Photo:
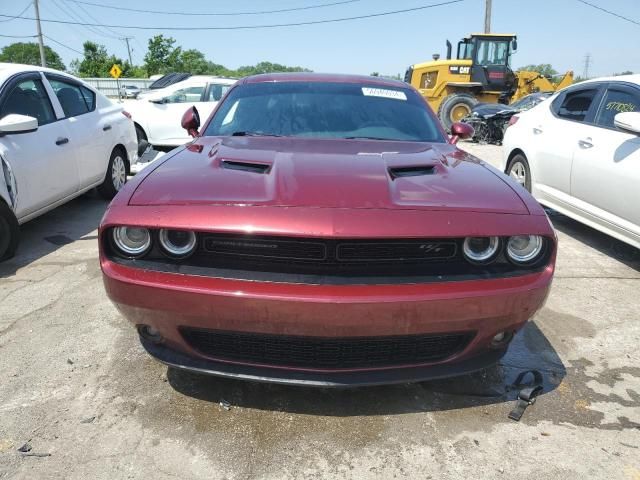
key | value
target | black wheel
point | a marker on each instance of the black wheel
(454, 108)
(143, 141)
(9, 232)
(116, 175)
(518, 169)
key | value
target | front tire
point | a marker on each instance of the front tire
(9, 232)
(143, 141)
(518, 169)
(454, 108)
(116, 175)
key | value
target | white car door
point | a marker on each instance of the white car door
(89, 135)
(166, 114)
(43, 162)
(605, 178)
(555, 133)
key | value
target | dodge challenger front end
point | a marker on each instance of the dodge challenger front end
(322, 230)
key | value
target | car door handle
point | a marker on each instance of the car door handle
(585, 143)
(537, 130)
(62, 141)
(106, 127)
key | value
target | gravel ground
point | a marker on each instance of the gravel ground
(78, 388)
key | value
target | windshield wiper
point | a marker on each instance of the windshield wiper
(242, 133)
(358, 137)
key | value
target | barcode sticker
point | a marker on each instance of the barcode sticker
(384, 93)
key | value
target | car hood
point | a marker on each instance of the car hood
(269, 171)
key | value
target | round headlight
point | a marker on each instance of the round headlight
(132, 241)
(178, 243)
(480, 249)
(524, 248)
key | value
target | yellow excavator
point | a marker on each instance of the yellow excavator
(481, 72)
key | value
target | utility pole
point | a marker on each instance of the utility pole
(126, 39)
(487, 16)
(43, 60)
(587, 63)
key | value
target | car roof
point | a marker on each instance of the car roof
(324, 78)
(8, 69)
(632, 78)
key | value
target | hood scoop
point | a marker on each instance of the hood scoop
(252, 167)
(411, 171)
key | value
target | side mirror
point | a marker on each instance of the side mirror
(514, 45)
(15, 123)
(459, 131)
(191, 121)
(628, 122)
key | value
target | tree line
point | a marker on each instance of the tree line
(163, 56)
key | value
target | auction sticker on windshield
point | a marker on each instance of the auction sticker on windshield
(384, 93)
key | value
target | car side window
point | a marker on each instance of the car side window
(216, 92)
(186, 95)
(74, 99)
(616, 101)
(30, 98)
(575, 105)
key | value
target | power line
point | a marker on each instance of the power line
(63, 45)
(94, 19)
(250, 27)
(18, 36)
(610, 12)
(221, 14)
(19, 15)
(70, 13)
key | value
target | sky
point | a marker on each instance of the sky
(559, 32)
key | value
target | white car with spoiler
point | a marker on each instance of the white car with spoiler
(157, 113)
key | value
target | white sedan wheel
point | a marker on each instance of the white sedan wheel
(118, 173)
(518, 172)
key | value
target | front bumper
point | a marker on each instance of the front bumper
(181, 361)
(169, 301)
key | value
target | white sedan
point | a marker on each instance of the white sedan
(579, 153)
(59, 137)
(157, 114)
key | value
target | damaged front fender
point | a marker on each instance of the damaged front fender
(9, 186)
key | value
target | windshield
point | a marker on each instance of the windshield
(325, 110)
(492, 52)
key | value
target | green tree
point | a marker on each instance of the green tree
(266, 67)
(544, 69)
(161, 55)
(29, 54)
(193, 61)
(626, 72)
(97, 62)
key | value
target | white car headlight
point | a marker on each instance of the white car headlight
(480, 249)
(525, 249)
(178, 243)
(132, 241)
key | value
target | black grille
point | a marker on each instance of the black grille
(325, 353)
(266, 248)
(395, 251)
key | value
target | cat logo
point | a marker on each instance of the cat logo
(459, 69)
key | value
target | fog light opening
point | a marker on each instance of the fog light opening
(501, 339)
(150, 333)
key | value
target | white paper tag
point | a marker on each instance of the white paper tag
(384, 93)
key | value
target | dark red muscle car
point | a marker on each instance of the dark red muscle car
(324, 230)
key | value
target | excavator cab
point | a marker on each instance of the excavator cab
(490, 56)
